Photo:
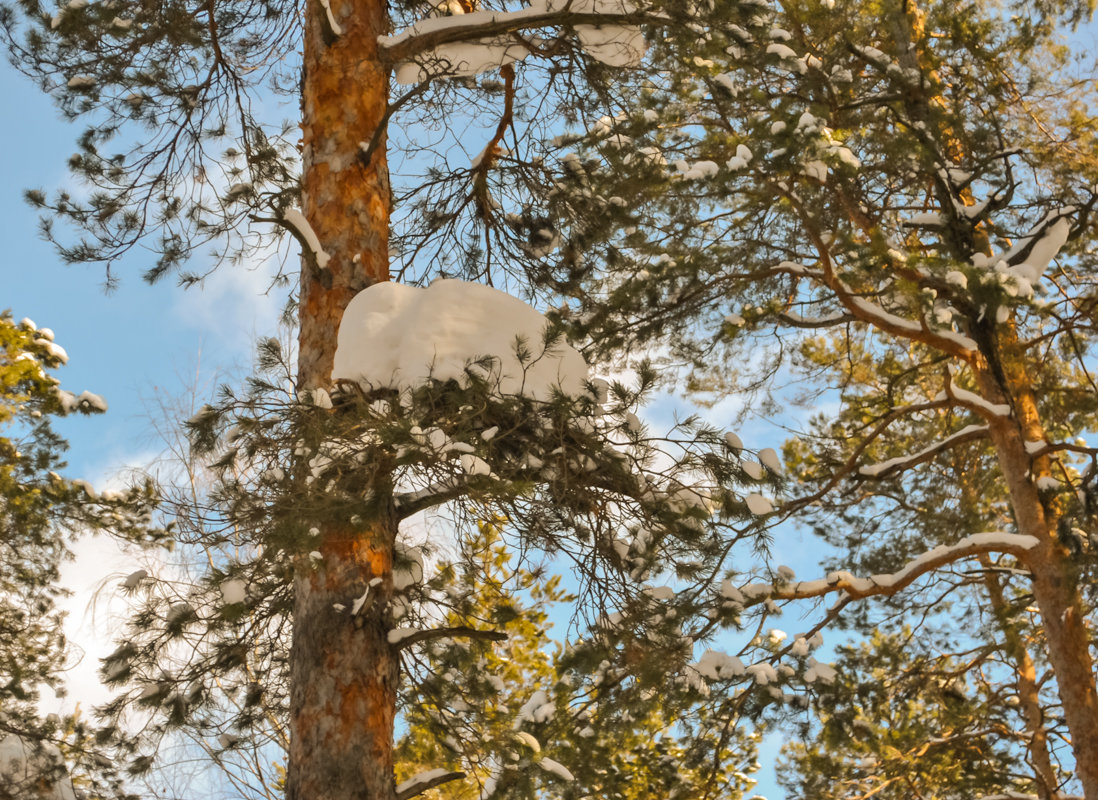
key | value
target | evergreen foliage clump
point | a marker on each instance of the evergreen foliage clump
(41, 514)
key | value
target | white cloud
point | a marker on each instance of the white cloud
(94, 616)
(232, 307)
(95, 608)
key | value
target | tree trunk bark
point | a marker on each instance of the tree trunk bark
(1029, 693)
(345, 91)
(1054, 573)
(343, 671)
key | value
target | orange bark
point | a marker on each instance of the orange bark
(343, 671)
(1055, 575)
(344, 96)
(1029, 693)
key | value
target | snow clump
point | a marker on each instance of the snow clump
(421, 779)
(716, 665)
(539, 708)
(615, 44)
(398, 336)
(21, 764)
(556, 768)
(233, 591)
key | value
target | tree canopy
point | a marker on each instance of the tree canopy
(41, 512)
(882, 206)
(874, 204)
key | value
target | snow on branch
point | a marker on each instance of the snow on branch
(336, 29)
(795, 320)
(975, 402)
(402, 638)
(949, 341)
(467, 44)
(885, 468)
(434, 494)
(797, 269)
(850, 466)
(1044, 242)
(924, 219)
(871, 54)
(959, 339)
(426, 780)
(399, 336)
(878, 314)
(556, 768)
(887, 584)
(304, 233)
(433, 31)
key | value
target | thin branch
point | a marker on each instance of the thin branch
(421, 787)
(491, 151)
(889, 584)
(365, 153)
(462, 631)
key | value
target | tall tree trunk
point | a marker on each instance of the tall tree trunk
(345, 91)
(1054, 573)
(1025, 683)
(1005, 379)
(1015, 650)
(343, 671)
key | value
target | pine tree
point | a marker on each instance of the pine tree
(500, 719)
(875, 196)
(40, 515)
(902, 721)
(628, 687)
(176, 155)
(960, 494)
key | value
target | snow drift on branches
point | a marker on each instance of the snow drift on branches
(23, 765)
(399, 336)
(613, 43)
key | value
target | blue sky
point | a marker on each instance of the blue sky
(136, 346)
(127, 344)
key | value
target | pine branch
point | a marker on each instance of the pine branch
(889, 584)
(426, 35)
(462, 631)
(421, 787)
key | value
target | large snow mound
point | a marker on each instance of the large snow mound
(21, 763)
(398, 336)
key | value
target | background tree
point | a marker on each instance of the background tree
(901, 721)
(41, 513)
(890, 179)
(535, 693)
(959, 492)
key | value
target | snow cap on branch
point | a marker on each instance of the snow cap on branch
(399, 336)
(468, 44)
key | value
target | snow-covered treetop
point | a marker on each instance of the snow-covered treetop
(399, 336)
